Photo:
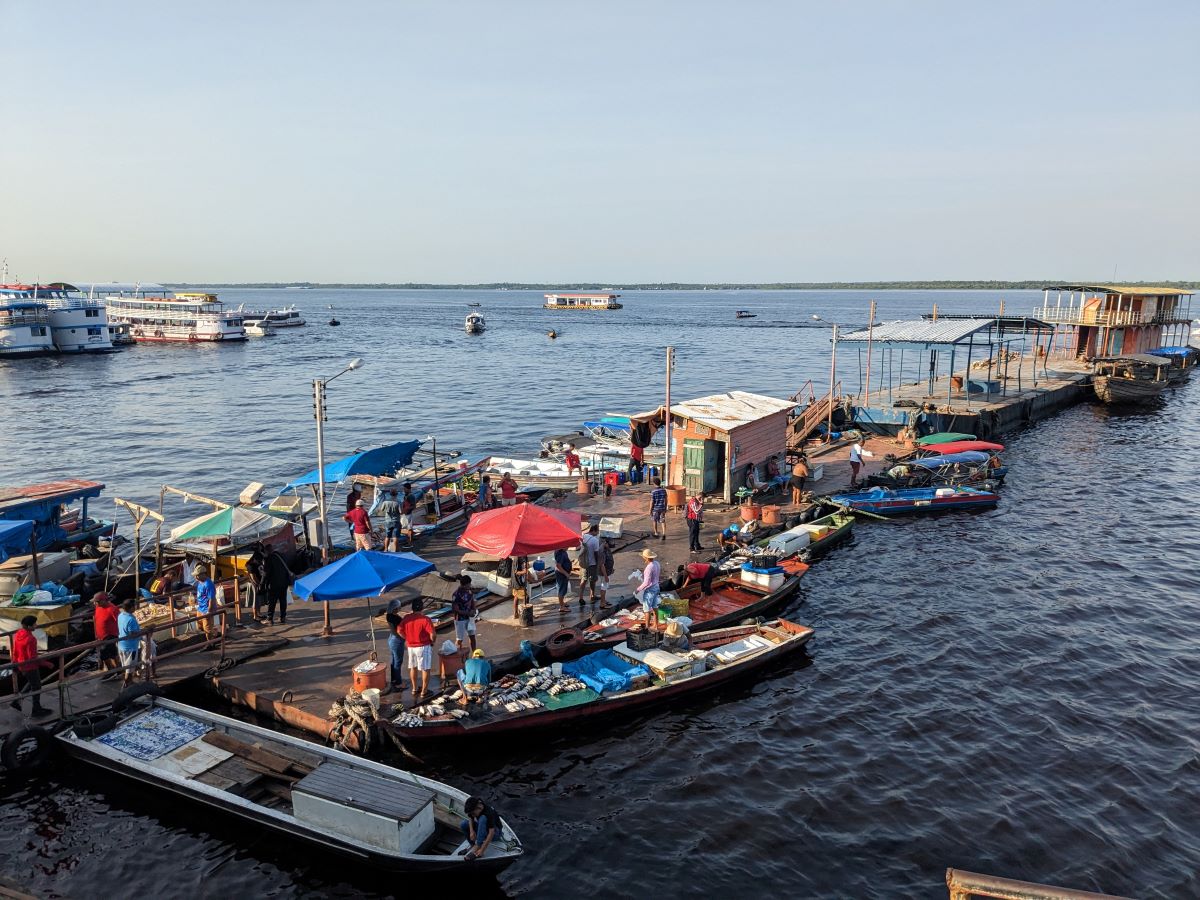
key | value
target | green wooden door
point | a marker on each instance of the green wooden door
(693, 466)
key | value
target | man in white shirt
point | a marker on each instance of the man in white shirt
(856, 459)
(592, 560)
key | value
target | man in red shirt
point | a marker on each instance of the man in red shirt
(24, 657)
(701, 572)
(360, 526)
(508, 490)
(418, 639)
(636, 458)
(105, 617)
(572, 460)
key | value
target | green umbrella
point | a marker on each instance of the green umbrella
(231, 522)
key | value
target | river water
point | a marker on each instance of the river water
(1009, 691)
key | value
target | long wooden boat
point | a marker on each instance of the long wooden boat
(323, 798)
(752, 648)
(885, 502)
(1136, 378)
(732, 600)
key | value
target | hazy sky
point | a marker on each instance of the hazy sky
(616, 141)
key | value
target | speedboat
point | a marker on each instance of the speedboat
(325, 799)
(474, 323)
(745, 314)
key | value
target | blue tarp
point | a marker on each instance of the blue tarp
(604, 671)
(1173, 351)
(378, 461)
(967, 457)
(14, 537)
(366, 573)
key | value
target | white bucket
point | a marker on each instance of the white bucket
(556, 669)
(371, 695)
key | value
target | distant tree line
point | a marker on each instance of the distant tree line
(691, 286)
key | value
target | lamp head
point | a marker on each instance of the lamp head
(355, 363)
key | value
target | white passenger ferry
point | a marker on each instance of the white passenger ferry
(78, 323)
(174, 316)
(24, 323)
(582, 301)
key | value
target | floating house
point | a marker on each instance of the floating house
(1099, 320)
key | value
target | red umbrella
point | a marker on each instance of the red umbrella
(521, 530)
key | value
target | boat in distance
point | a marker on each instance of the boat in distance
(582, 301)
(186, 317)
(375, 814)
(474, 323)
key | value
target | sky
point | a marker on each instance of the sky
(615, 142)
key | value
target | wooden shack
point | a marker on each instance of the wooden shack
(714, 438)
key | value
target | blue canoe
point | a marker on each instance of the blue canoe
(885, 502)
(971, 458)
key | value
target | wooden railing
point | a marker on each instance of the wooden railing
(801, 427)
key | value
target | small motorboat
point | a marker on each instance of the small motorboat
(552, 334)
(475, 304)
(258, 328)
(474, 323)
(745, 314)
(334, 322)
(322, 798)
(970, 467)
(893, 502)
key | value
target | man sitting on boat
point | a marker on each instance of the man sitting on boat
(481, 827)
(474, 678)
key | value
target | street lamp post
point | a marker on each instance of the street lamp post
(319, 415)
(832, 375)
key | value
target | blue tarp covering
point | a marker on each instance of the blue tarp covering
(1173, 351)
(14, 537)
(967, 457)
(367, 573)
(378, 461)
(604, 671)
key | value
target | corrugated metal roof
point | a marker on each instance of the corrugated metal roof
(922, 331)
(1129, 290)
(732, 410)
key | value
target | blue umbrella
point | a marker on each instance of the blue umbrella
(364, 573)
(377, 461)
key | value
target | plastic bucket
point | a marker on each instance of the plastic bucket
(770, 515)
(751, 512)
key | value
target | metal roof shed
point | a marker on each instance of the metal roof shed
(931, 337)
(713, 437)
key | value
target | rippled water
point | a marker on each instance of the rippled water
(1009, 691)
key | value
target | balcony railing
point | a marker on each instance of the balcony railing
(1075, 316)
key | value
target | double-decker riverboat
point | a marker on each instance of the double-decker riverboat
(582, 301)
(179, 316)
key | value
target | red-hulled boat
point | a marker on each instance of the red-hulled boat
(724, 654)
(732, 601)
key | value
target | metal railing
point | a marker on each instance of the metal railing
(1067, 315)
(67, 657)
(964, 885)
(818, 409)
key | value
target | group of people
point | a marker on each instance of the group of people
(487, 493)
(597, 564)
(399, 512)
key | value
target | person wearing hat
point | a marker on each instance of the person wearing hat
(353, 496)
(105, 620)
(206, 600)
(675, 637)
(649, 589)
(360, 526)
(474, 677)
